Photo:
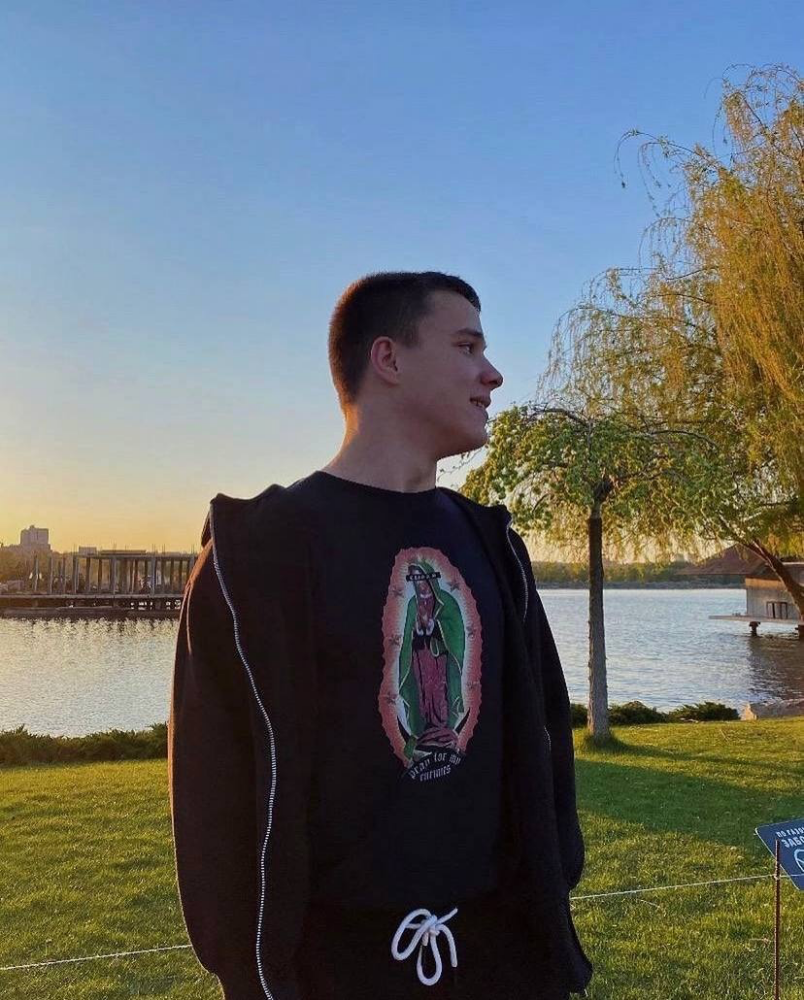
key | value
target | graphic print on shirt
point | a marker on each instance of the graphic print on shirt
(432, 639)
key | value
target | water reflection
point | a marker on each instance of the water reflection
(73, 676)
(663, 649)
(78, 676)
(775, 662)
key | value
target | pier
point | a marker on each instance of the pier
(115, 582)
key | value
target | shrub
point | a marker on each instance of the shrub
(18, 746)
(634, 713)
(579, 714)
(704, 711)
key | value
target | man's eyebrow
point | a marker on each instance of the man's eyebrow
(467, 330)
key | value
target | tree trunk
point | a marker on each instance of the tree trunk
(598, 718)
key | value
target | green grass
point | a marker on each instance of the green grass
(86, 867)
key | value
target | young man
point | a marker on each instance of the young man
(372, 782)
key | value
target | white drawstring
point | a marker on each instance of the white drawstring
(427, 931)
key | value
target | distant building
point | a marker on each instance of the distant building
(87, 550)
(35, 538)
(32, 540)
(766, 597)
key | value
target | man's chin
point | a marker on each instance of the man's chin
(469, 443)
(480, 439)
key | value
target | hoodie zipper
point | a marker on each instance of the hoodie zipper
(519, 564)
(270, 729)
(525, 589)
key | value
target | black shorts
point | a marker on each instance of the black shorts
(345, 954)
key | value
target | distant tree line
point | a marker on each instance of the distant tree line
(576, 574)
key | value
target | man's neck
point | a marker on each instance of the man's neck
(388, 477)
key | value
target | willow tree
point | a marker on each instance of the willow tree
(725, 288)
(580, 474)
(671, 410)
(651, 337)
(745, 226)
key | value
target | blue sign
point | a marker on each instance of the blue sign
(790, 835)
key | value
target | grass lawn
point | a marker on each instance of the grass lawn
(86, 867)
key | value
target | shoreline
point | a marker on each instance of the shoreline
(636, 585)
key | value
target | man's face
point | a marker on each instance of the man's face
(443, 374)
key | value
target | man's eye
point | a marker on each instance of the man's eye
(470, 346)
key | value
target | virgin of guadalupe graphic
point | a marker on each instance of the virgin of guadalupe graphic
(431, 662)
(430, 695)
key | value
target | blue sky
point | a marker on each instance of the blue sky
(185, 189)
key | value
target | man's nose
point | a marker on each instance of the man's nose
(493, 377)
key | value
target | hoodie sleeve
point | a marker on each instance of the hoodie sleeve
(559, 726)
(214, 739)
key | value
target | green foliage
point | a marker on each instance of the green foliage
(635, 713)
(18, 746)
(574, 573)
(673, 394)
(13, 566)
(579, 714)
(705, 711)
(554, 466)
(577, 574)
(718, 310)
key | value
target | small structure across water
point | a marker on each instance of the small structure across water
(123, 582)
(768, 600)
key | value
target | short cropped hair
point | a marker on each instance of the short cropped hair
(386, 304)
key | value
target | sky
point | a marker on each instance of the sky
(186, 188)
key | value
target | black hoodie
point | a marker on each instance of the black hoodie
(242, 737)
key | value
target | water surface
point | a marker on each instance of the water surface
(73, 677)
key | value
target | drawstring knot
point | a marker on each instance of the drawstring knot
(426, 932)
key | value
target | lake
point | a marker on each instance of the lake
(68, 677)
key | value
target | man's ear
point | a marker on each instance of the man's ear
(382, 358)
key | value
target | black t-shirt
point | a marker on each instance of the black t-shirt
(405, 808)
